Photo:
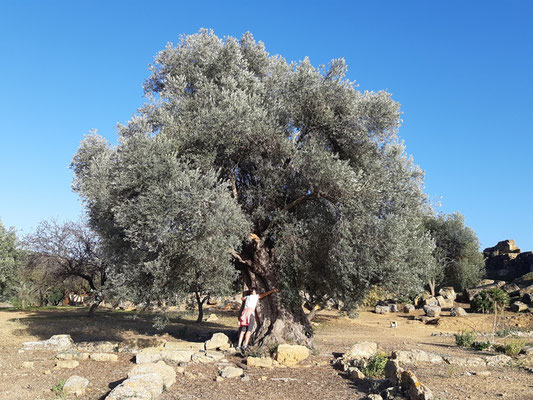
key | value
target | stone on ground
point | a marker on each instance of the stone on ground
(97, 347)
(27, 364)
(138, 387)
(393, 371)
(379, 309)
(458, 312)
(56, 342)
(231, 372)
(212, 318)
(518, 306)
(415, 356)
(182, 345)
(259, 362)
(75, 385)
(160, 368)
(103, 357)
(408, 308)
(218, 341)
(448, 293)
(290, 354)
(444, 302)
(355, 373)
(72, 355)
(362, 350)
(67, 364)
(432, 311)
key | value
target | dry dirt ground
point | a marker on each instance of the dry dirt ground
(314, 379)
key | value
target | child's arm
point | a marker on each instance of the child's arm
(262, 295)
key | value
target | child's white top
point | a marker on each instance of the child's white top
(251, 301)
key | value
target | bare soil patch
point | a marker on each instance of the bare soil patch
(314, 378)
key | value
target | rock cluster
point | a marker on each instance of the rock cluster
(506, 261)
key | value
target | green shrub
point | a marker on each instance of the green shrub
(513, 348)
(58, 387)
(465, 339)
(484, 301)
(376, 365)
(481, 345)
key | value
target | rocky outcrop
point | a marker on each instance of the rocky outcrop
(75, 385)
(55, 343)
(506, 261)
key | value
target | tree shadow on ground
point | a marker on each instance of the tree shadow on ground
(118, 325)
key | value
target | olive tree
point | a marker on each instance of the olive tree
(457, 250)
(287, 168)
(11, 257)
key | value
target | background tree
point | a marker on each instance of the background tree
(68, 251)
(296, 150)
(11, 257)
(457, 250)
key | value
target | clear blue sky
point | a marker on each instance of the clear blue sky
(461, 70)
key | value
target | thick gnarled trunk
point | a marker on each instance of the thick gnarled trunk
(276, 323)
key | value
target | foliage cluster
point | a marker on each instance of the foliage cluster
(460, 263)
(465, 339)
(485, 301)
(375, 366)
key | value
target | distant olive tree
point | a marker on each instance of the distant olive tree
(11, 258)
(456, 252)
(282, 171)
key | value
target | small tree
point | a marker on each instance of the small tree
(70, 250)
(456, 252)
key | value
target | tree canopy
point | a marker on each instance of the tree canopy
(283, 170)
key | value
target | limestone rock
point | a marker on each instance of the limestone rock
(288, 354)
(431, 301)
(432, 311)
(408, 308)
(518, 306)
(138, 387)
(511, 288)
(444, 302)
(458, 312)
(259, 362)
(499, 360)
(166, 372)
(27, 364)
(218, 341)
(212, 318)
(103, 357)
(415, 356)
(56, 342)
(134, 345)
(67, 364)
(528, 298)
(176, 355)
(72, 355)
(393, 371)
(231, 372)
(355, 373)
(448, 293)
(379, 309)
(183, 345)
(362, 350)
(373, 396)
(75, 385)
(148, 355)
(97, 347)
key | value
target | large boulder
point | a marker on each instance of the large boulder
(408, 308)
(473, 292)
(382, 309)
(291, 354)
(511, 288)
(154, 354)
(75, 385)
(393, 371)
(432, 311)
(218, 341)
(138, 387)
(431, 301)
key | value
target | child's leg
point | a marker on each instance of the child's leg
(247, 338)
(241, 336)
(249, 330)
